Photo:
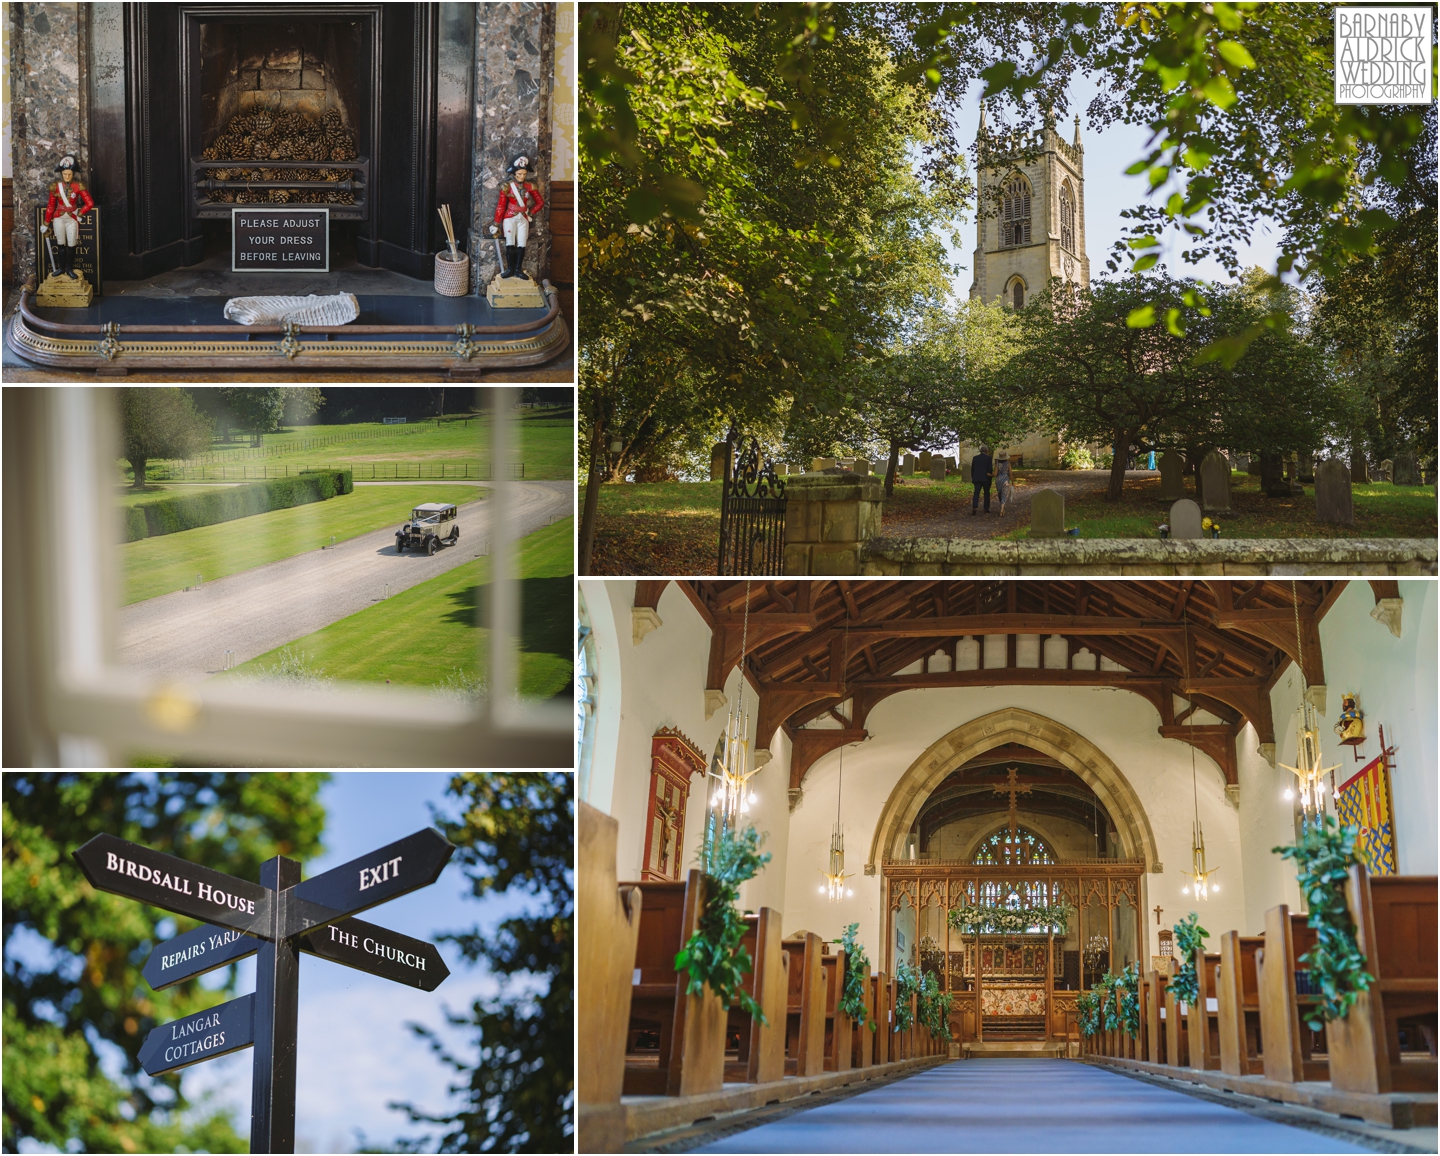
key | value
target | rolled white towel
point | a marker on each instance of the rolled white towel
(339, 309)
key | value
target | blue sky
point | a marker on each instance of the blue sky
(355, 1052)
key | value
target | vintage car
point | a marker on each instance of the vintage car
(427, 528)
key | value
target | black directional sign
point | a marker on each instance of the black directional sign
(379, 951)
(400, 867)
(195, 953)
(162, 880)
(203, 1036)
(272, 920)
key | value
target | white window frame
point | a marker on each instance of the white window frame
(69, 702)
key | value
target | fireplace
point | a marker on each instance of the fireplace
(284, 107)
(378, 99)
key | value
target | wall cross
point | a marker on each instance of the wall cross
(1012, 788)
(1158, 909)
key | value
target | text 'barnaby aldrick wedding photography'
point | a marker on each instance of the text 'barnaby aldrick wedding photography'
(1382, 56)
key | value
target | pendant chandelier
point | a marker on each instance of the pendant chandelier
(730, 769)
(1308, 771)
(834, 887)
(1199, 873)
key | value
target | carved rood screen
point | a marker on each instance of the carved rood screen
(1103, 895)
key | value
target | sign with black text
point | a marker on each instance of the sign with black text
(112, 864)
(280, 239)
(400, 867)
(87, 252)
(203, 1036)
(382, 952)
(195, 953)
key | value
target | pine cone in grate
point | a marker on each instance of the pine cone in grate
(286, 148)
(262, 123)
(330, 119)
(210, 153)
(344, 151)
(280, 196)
(223, 196)
(240, 124)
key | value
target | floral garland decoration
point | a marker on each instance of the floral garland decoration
(907, 983)
(713, 955)
(935, 1006)
(1087, 1003)
(852, 994)
(1127, 987)
(1337, 967)
(1189, 938)
(974, 919)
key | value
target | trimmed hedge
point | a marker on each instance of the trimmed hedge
(188, 512)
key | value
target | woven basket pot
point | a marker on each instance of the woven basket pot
(452, 278)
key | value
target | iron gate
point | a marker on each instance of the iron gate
(752, 516)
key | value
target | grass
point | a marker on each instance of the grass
(546, 437)
(423, 635)
(128, 496)
(656, 528)
(155, 566)
(1381, 511)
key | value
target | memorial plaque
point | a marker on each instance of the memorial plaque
(280, 239)
(382, 952)
(396, 869)
(218, 1031)
(87, 252)
(195, 953)
(125, 868)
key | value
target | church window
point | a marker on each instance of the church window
(1003, 850)
(1067, 217)
(1015, 211)
(1019, 295)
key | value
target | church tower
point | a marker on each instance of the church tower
(1031, 223)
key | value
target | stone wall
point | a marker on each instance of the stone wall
(48, 105)
(514, 71)
(1373, 557)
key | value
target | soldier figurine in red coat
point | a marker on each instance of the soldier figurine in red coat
(518, 204)
(69, 201)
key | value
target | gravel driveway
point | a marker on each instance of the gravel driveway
(185, 634)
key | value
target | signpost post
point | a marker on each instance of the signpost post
(273, 920)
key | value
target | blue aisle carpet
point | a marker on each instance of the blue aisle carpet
(1024, 1106)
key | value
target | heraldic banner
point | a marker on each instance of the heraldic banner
(1364, 802)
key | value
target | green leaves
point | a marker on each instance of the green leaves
(1141, 317)
(1189, 938)
(933, 1006)
(852, 993)
(907, 984)
(1324, 856)
(1233, 52)
(984, 920)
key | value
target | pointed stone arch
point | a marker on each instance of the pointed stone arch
(1013, 724)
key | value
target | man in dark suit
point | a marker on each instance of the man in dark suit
(981, 472)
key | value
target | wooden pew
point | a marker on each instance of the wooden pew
(1202, 1024)
(805, 1007)
(884, 1017)
(691, 1028)
(1395, 920)
(607, 924)
(1287, 1045)
(761, 1054)
(1238, 989)
(839, 1027)
(1177, 1053)
(862, 1038)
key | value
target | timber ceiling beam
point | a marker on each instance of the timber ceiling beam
(778, 701)
(807, 747)
(1218, 742)
(647, 593)
(1249, 696)
(731, 632)
(1276, 625)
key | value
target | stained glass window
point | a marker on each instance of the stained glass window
(1027, 847)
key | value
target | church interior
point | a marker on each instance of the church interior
(1002, 861)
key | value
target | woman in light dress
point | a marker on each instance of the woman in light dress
(1002, 478)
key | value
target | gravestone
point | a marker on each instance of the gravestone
(1172, 476)
(861, 466)
(937, 469)
(1047, 514)
(1406, 471)
(1253, 466)
(1305, 466)
(907, 465)
(719, 455)
(818, 464)
(1185, 520)
(1272, 479)
(1215, 481)
(923, 463)
(1359, 467)
(1333, 501)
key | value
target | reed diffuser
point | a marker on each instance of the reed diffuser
(452, 271)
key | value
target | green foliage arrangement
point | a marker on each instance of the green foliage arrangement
(980, 920)
(934, 1006)
(80, 995)
(1324, 856)
(907, 983)
(186, 512)
(1087, 1003)
(1127, 990)
(713, 955)
(852, 994)
(1189, 938)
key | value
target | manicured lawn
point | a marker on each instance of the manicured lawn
(155, 566)
(422, 635)
(547, 446)
(656, 528)
(1381, 511)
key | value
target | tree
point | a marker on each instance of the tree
(82, 997)
(159, 422)
(515, 834)
(302, 402)
(255, 409)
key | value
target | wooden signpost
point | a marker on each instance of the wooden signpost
(273, 920)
